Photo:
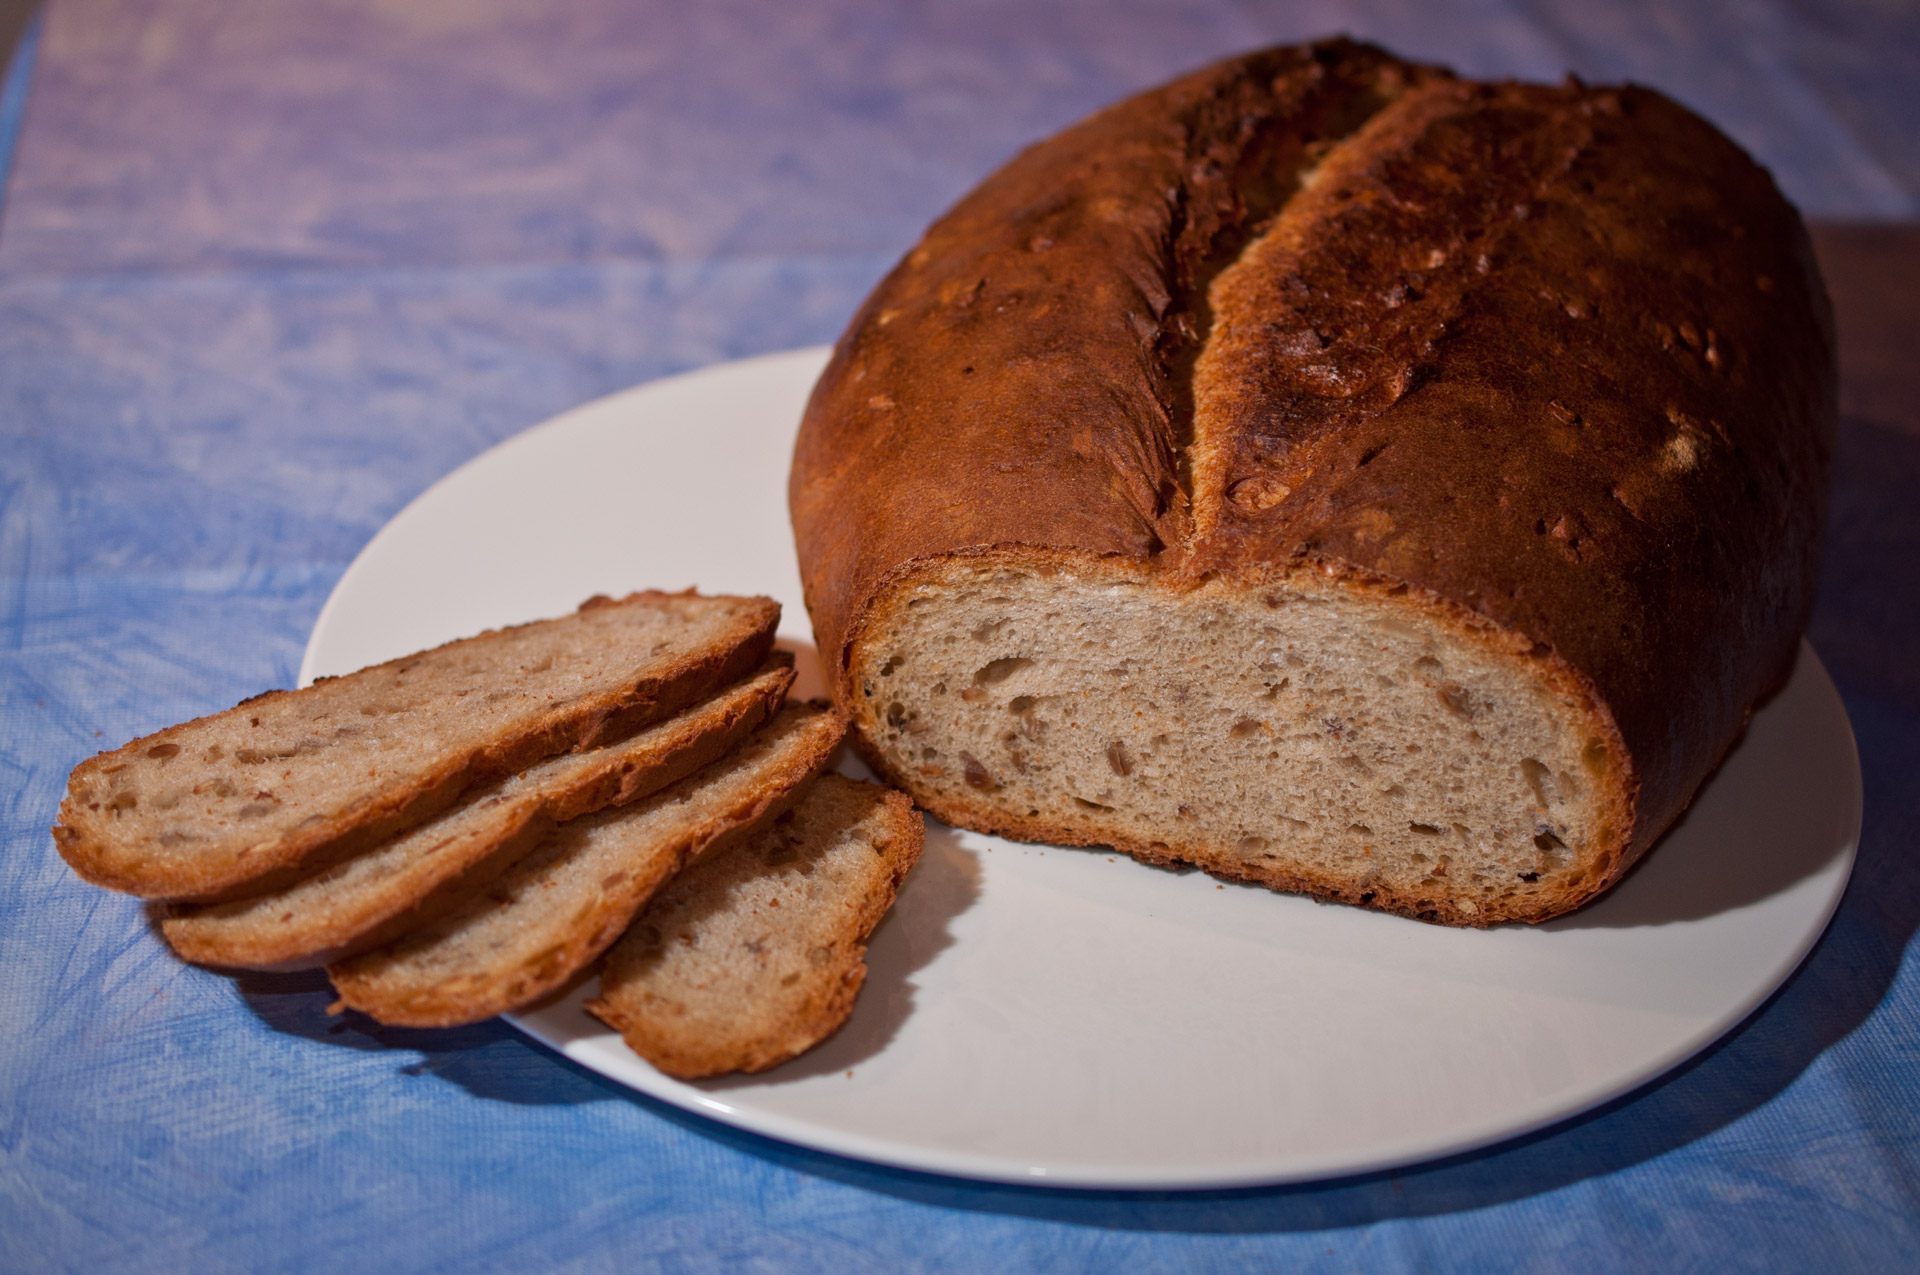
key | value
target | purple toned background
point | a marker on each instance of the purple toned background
(268, 269)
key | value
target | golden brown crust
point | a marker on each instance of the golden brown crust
(1020, 377)
(1555, 359)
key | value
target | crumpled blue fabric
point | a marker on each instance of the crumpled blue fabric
(269, 270)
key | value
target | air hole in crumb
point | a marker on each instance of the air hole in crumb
(1021, 704)
(160, 752)
(896, 713)
(1548, 844)
(1529, 876)
(1455, 698)
(1000, 670)
(987, 630)
(1424, 829)
(1245, 728)
(1360, 828)
(1118, 759)
(1084, 804)
(893, 662)
(1536, 773)
(977, 776)
(1428, 665)
(1251, 845)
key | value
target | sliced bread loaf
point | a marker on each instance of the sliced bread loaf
(569, 898)
(755, 954)
(291, 777)
(1333, 474)
(399, 885)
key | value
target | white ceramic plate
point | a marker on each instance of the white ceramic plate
(1068, 1016)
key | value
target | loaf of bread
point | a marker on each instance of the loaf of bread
(569, 898)
(250, 799)
(399, 885)
(754, 955)
(1335, 474)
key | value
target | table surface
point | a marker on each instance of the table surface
(268, 270)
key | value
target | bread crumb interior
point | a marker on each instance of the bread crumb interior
(1308, 735)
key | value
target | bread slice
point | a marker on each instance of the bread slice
(755, 954)
(569, 898)
(286, 778)
(377, 895)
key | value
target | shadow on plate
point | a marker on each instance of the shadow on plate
(1780, 808)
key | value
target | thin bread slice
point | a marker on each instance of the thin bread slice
(377, 895)
(569, 898)
(755, 954)
(293, 777)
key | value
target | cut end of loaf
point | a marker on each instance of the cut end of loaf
(1310, 733)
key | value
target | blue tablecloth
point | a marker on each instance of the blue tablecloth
(268, 269)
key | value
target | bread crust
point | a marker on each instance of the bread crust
(1554, 363)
